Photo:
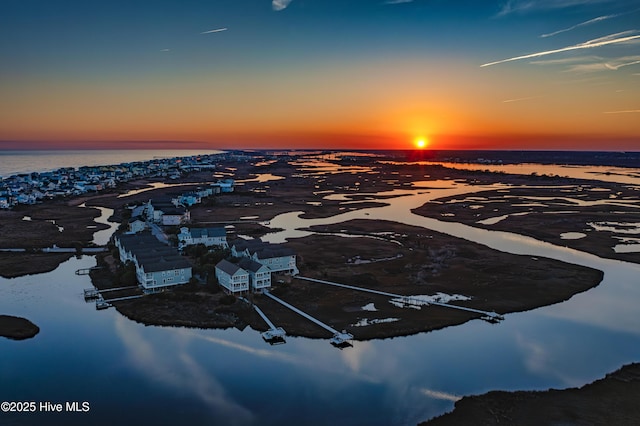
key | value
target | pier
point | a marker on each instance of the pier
(102, 303)
(491, 317)
(339, 339)
(274, 335)
(94, 293)
(86, 271)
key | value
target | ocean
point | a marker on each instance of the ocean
(16, 162)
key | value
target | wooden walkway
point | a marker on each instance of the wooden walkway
(339, 338)
(487, 316)
(274, 334)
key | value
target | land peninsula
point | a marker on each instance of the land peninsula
(611, 400)
(382, 255)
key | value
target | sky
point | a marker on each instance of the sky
(359, 74)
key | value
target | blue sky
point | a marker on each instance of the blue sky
(263, 72)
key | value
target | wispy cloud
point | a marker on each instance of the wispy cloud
(581, 24)
(622, 37)
(610, 65)
(398, 1)
(628, 111)
(591, 63)
(280, 4)
(523, 6)
(217, 30)
(165, 50)
(440, 395)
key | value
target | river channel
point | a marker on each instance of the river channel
(130, 373)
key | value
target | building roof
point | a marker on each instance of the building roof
(151, 254)
(163, 263)
(229, 268)
(208, 232)
(263, 250)
(251, 265)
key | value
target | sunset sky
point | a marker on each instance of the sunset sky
(519, 74)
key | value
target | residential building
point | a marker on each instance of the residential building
(232, 277)
(157, 265)
(259, 274)
(277, 257)
(208, 236)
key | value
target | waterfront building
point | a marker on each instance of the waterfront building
(259, 274)
(163, 211)
(157, 265)
(276, 257)
(210, 237)
(232, 277)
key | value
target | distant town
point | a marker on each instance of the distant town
(31, 188)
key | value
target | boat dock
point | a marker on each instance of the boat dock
(339, 339)
(274, 335)
(86, 271)
(94, 293)
(102, 303)
(91, 294)
(492, 317)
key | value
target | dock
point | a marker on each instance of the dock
(94, 293)
(491, 317)
(274, 335)
(102, 303)
(86, 271)
(339, 339)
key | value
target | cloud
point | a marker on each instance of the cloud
(165, 50)
(398, 1)
(584, 64)
(622, 37)
(628, 111)
(217, 30)
(280, 4)
(581, 24)
(440, 395)
(523, 6)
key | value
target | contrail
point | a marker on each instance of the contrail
(603, 41)
(214, 31)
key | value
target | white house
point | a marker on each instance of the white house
(259, 274)
(207, 236)
(166, 213)
(232, 277)
(276, 257)
(157, 265)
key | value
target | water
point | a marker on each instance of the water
(15, 162)
(130, 373)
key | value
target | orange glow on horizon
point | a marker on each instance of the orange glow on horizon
(421, 142)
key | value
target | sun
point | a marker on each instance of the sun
(421, 142)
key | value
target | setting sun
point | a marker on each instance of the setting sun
(421, 143)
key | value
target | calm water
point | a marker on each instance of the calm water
(14, 162)
(163, 375)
